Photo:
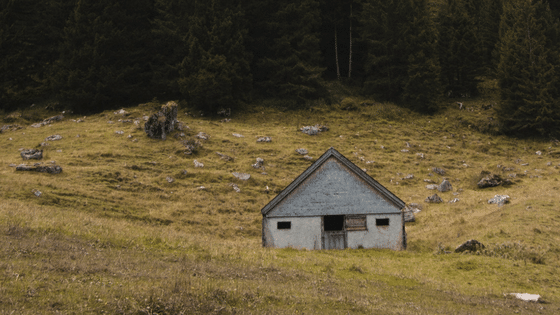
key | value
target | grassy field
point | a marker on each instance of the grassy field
(111, 234)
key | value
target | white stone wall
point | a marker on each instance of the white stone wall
(378, 236)
(305, 232)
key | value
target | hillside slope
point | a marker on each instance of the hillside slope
(111, 232)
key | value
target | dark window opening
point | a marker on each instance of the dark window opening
(333, 222)
(381, 222)
(284, 225)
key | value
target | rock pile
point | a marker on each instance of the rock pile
(163, 122)
(31, 154)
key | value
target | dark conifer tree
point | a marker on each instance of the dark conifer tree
(105, 54)
(527, 76)
(29, 37)
(460, 51)
(290, 60)
(401, 62)
(215, 72)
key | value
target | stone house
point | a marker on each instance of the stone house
(334, 205)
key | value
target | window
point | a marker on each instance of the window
(382, 222)
(356, 222)
(284, 225)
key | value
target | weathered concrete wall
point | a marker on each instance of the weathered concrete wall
(305, 232)
(378, 236)
(332, 189)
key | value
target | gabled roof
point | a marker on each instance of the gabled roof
(332, 153)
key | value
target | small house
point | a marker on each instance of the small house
(334, 205)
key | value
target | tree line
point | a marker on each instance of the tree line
(93, 54)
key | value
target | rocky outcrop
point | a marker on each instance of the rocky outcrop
(162, 122)
(31, 154)
(470, 245)
(38, 167)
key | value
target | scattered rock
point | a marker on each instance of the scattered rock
(169, 179)
(122, 112)
(438, 170)
(31, 154)
(119, 132)
(259, 164)
(163, 122)
(48, 121)
(36, 192)
(10, 128)
(191, 145)
(12, 165)
(432, 186)
(470, 245)
(110, 122)
(409, 176)
(405, 151)
(184, 172)
(307, 157)
(235, 187)
(302, 151)
(197, 164)
(225, 120)
(538, 153)
(445, 186)
(225, 157)
(237, 135)
(264, 139)
(202, 136)
(489, 180)
(201, 188)
(37, 167)
(527, 297)
(434, 199)
(428, 180)
(313, 130)
(500, 200)
(44, 144)
(454, 200)
(53, 138)
(242, 176)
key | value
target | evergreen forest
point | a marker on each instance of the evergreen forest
(92, 55)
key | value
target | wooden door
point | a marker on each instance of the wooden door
(335, 239)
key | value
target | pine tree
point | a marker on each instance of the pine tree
(290, 66)
(215, 72)
(526, 72)
(28, 46)
(459, 48)
(105, 54)
(401, 63)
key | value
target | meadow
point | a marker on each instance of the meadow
(112, 234)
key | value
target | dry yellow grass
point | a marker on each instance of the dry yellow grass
(110, 234)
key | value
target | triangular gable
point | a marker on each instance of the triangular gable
(333, 185)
